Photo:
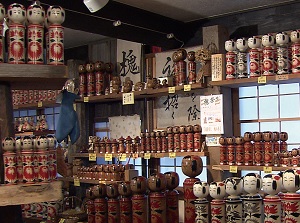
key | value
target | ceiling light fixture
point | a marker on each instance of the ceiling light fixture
(117, 23)
(95, 5)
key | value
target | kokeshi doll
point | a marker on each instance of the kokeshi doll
(113, 206)
(2, 43)
(268, 42)
(176, 138)
(190, 138)
(82, 80)
(283, 144)
(197, 137)
(234, 206)
(258, 149)
(99, 77)
(191, 67)
(242, 67)
(175, 59)
(223, 150)
(248, 148)
(276, 146)
(172, 196)
(181, 54)
(158, 142)
(295, 38)
(239, 150)
(231, 147)
(217, 205)
(202, 207)
(164, 141)
(183, 138)
(268, 148)
(282, 40)
(254, 44)
(170, 136)
(125, 202)
(90, 68)
(138, 187)
(231, 59)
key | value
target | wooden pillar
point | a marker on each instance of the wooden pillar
(8, 214)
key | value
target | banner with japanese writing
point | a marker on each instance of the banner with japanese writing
(177, 109)
(124, 126)
(129, 60)
(211, 108)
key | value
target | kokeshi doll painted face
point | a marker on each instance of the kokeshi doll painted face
(272, 184)
(242, 44)
(56, 15)
(268, 40)
(2, 13)
(8, 144)
(16, 13)
(282, 38)
(217, 190)
(35, 14)
(230, 45)
(254, 42)
(291, 180)
(234, 186)
(295, 36)
(252, 183)
(201, 189)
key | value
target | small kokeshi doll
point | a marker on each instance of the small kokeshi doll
(148, 142)
(99, 77)
(231, 150)
(143, 142)
(239, 150)
(276, 137)
(181, 54)
(129, 146)
(82, 80)
(170, 136)
(252, 183)
(157, 182)
(269, 66)
(35, 14)
(231, 59)
(283, 144)
(295, 38)
(282, 41)
(153, 142)
(183, 140)
(248, 148)
(254, 56)
(175, 59)
(258, 149)
(242, 68)
(190, 138)
(201, 191)
(16, 13)
(27, 143)
(268, 148)
(90, 68)
(158, 141)
(113, 206)
(197, 137)
(217, 206)
(8, 144)
(164, 141)
(176, 138)
(109, 68)
(223, 150)
(191, 67)
(55, 15)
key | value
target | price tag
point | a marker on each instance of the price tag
(171, 90)
(61, 220)
(233, 169)
(108, 157)
(86, 99)
(92, 156)
(123, 157)
(102, 182)
(76, 182)
(135, 156)
(262, 80)
(128, 98)
(147, 156)
(40, 104)
(187, 87)
(172, 155)
(282, 77)
(267, 169)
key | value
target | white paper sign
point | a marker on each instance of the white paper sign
(125, 126)
(211, 108)
(129, 60)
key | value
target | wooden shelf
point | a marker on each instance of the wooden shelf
(146, 93)
(71, 179)
(30, 193)
(247, 82)
(36, 133)
(257, 168)
(141, 155)
(36, 105)
(29, 76)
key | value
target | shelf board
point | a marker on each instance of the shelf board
(35, 133)
(257, 168)
(36, 105)
(31, 76)
(141, 155)
(71, 179)
(247, 82)
(30, 193)
(146, 93)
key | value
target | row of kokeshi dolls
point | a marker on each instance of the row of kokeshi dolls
(29, 24)
(28, 123)
(239, 200)
(258, 148)
(270, 54)
(21, 97)
(174, 139)
(29, 159)
(102, 172)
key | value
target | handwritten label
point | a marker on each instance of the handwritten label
(92, 156)
(128, 98)
(123, 157)
(171, 90)
(76, 182)
(233, 169)
(267, 169)
(282, 77)
(147, 156)
(172, 155)
(108, 157)
(102, 182)
(40, 104)
(187, 87)
(86, 99)
(262, 80)
(61, 220)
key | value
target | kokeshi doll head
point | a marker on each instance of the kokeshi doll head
(189, 128)
(18, 143)
(242, 44)
(197, 128)
(257, 136)
(192, 166)
(27, 143)
(234, 186)
(248, 136)
(99, 190)
(172, 180)
(271, 184)
(182, 54)
(268, 40)
(157, 182)
(2, 13)
(81, 68)
(182, 129)
(100, 66)
(230, 140)
(254, 42)
(90, 67)
(252, 183)
(217, 190)
(283, 136)
(51, 141)
(176, 129)
(56, 15)
(112, 190)
(35, 14)
(239, 140)
(8, 144)
(201, 189)
(124, 188)
(291, 180)
(42, 143)
(138, 185)
(16, 13)
(109, 67)
(223, 140)
(175, 57)
(276, 136)
(191, 56)
(230, 45)
(295, 36)
(268, 136)
(282, 38)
